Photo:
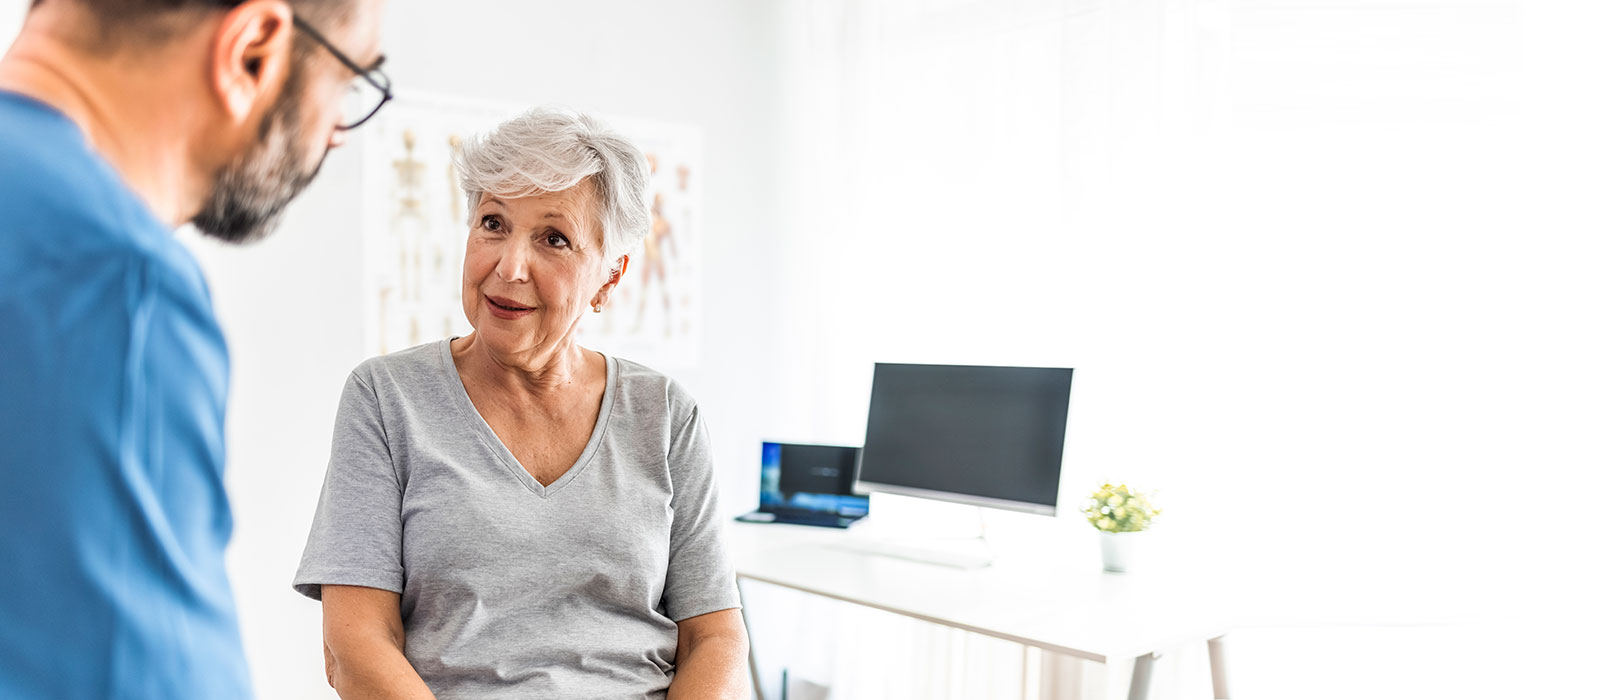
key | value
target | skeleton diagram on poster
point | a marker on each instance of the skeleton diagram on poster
(416, 224)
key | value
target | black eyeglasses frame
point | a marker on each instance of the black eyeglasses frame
(373, 74)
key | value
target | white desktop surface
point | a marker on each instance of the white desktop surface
(1059, 604)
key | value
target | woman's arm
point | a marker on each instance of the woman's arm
(713, 658)
(364, 643)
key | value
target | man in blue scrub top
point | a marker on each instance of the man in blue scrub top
(120, 120)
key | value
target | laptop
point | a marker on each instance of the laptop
(808, 485)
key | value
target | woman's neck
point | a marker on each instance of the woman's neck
(549, 379)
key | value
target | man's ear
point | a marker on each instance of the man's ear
(250, 57)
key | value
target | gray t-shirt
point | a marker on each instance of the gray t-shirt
(510, 589)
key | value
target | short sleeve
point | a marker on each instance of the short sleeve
(699, 571)
(355, 536)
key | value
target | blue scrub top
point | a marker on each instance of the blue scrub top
(113, 380)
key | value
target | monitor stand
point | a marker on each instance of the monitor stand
(939, 552)
(958, 552)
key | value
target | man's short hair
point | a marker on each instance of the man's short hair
(119, 24)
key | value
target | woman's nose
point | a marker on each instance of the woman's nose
(513, 265)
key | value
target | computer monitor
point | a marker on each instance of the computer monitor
(987, 436)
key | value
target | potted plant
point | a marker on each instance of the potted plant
(1120, 514)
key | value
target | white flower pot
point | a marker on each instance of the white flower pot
(1119, 550)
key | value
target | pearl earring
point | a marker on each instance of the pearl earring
(597, 308)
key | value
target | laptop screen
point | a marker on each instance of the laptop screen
(815, 478)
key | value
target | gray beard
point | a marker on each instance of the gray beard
(249, 194)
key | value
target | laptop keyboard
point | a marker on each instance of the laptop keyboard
(823, 519)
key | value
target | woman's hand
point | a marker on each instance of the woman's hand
(364, 645)
(713, 658)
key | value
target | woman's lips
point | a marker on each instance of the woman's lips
(504, 308)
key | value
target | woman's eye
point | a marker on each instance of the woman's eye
(555, 239)
(490, 223)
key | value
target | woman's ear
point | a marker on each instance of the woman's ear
(250, 57)
(601, 296)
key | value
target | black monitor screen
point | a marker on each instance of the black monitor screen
(987, 435)
(817, 469)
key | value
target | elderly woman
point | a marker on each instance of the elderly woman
(510, 515)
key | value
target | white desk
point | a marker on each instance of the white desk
(1064, 609)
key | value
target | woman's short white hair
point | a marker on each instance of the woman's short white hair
(549, 150)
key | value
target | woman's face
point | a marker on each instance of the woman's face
(533, 267)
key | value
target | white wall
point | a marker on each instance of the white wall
(286, 302)
(1325, 270)
(1306, 256)
(11, 13)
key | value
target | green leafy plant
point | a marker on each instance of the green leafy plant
(1119, 509)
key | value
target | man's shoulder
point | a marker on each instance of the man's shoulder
(48, 168)
(61, 205)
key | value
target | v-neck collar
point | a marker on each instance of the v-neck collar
(508, 460)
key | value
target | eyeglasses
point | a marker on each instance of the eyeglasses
(367, 95)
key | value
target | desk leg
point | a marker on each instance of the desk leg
(1219, 670)
(750, 645)
(1139, 685)
(1048, 675)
